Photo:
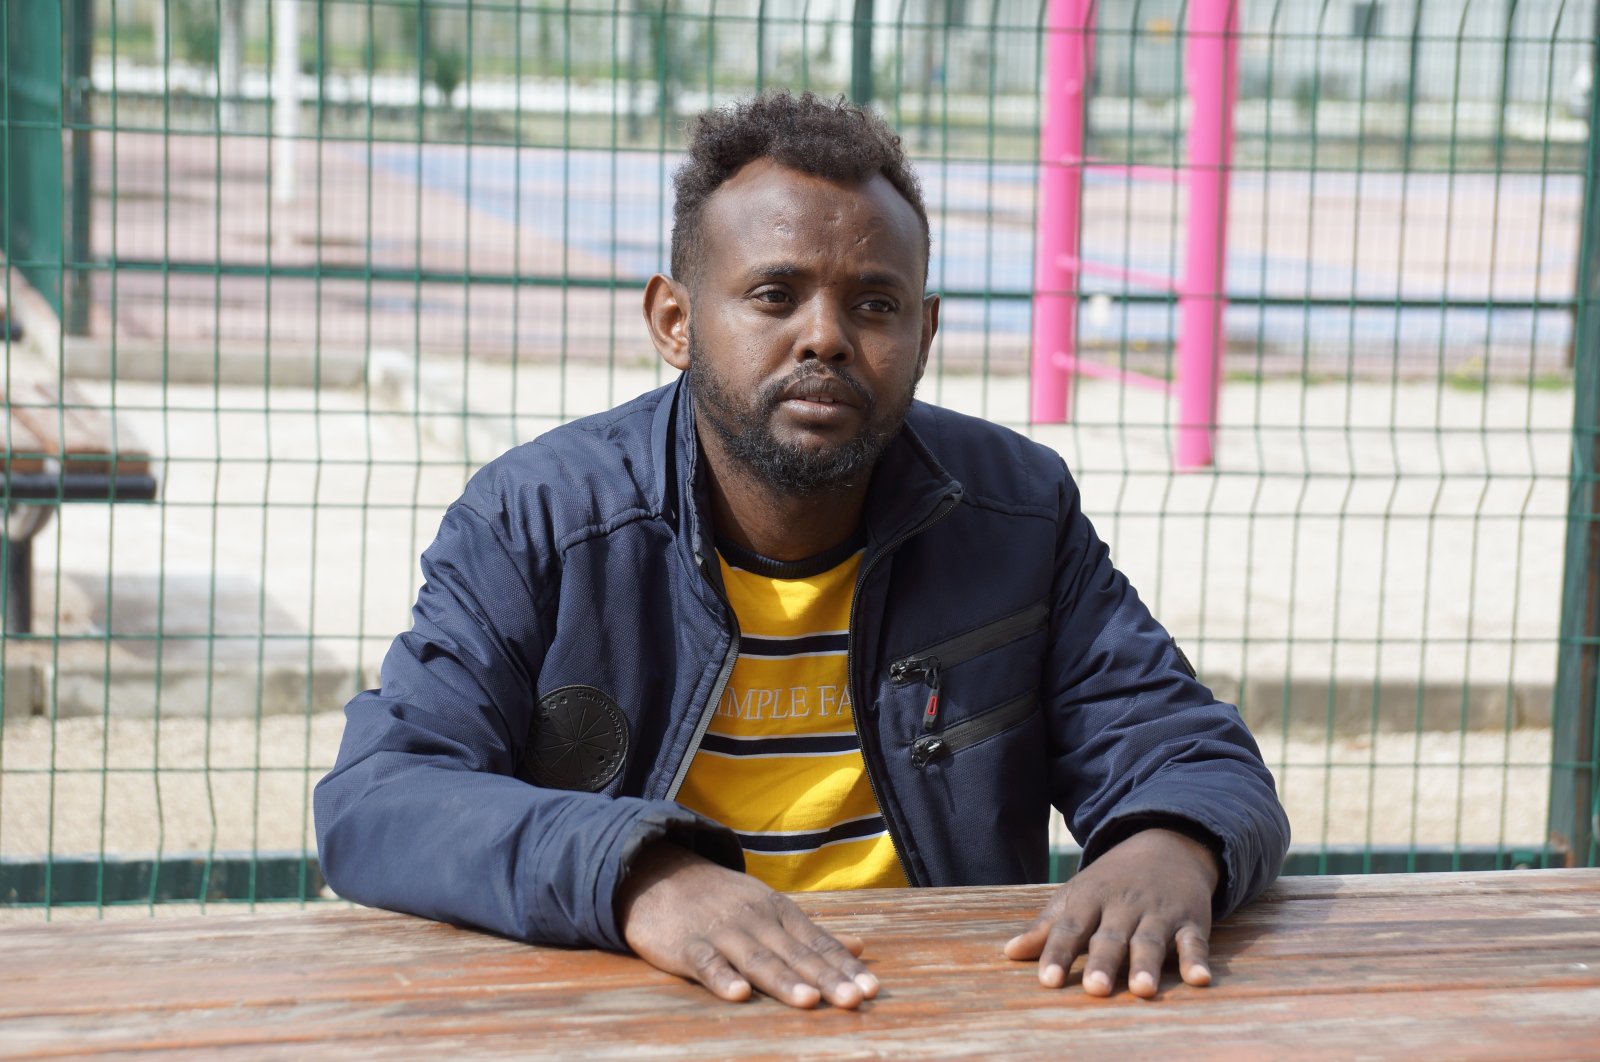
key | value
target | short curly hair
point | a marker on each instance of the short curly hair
(832, 139)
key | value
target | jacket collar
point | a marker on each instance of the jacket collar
(908, 485)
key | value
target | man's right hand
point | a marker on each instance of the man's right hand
(691, 917)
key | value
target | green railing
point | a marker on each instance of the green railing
(324, 259)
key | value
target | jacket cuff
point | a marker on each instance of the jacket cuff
(655, 820)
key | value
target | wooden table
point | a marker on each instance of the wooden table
(1501, 965)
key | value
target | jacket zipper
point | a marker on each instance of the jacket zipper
(951, 500)
(931, 747)
(929, 665)
(728, 660)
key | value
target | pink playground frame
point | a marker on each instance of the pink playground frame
(1212, 75)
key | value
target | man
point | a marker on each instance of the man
(777, 616)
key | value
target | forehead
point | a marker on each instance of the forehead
(767, 211)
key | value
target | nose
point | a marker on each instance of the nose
(825, 333)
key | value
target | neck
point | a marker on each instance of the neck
(775, 524)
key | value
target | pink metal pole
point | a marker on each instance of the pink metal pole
(1069, 45)
(1213, 54)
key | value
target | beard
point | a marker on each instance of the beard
(745, 430)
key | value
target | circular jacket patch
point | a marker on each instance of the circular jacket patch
(578, 740)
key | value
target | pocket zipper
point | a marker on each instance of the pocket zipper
(933, 747)
(929, 664)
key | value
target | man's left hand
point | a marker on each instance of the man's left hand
(1127, 908)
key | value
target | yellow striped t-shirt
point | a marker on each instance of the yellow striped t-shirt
(780, 763)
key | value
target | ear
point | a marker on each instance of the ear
(930, 328)
(666, 314)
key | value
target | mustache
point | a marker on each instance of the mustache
(772, 394)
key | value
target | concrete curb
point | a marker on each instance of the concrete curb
(1360, 705)
(279, 367)
(75, 681)
(432, 395)
(75, 684)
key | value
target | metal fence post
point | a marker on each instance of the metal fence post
(1574, 728)
(761, 47)
(1063, 133)
(1212, 70)
(79, 83)
(1409, 143)
(1507, 52)
(31, 217)
(861, 53)
(285, 98)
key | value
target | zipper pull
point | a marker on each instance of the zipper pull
(902, 672)
(930, 714)
(926, 749)
(905, 671)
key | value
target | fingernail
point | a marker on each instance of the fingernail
(866, 982)
(1201, 974)
(1052, 976)
(1097, 982)
(1143, 982)
(807, 996)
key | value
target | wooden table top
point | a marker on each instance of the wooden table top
(1418, 966)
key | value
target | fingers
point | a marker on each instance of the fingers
(734, 935)
(769, 972)
(1056, 938)
(788, 957)
(1056, 921)
(853, 944)
(1067, 939)
(1108, 949)
(707, 966)
(802, 973)
(831, 963)
(1147, 952)
(1194, 955)
(1030, 942)
(1142, 899)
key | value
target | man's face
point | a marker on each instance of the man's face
(808, 330)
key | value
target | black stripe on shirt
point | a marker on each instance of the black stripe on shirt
(801, 569)
(803, 645)
(811, 840)
(796, 745)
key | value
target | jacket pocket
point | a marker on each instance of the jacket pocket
(929, 665)
(931, 747)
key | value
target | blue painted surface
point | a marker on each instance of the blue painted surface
(611, 210)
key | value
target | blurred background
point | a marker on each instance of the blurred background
(280, 274)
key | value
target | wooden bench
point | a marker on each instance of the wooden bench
(55, 449)
(1406, 966)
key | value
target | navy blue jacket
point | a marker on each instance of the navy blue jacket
(585, 559)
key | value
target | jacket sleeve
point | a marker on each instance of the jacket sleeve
(422, 812)
(1137, 740)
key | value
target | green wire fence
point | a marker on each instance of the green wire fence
(303, 266)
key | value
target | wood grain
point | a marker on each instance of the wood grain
(20, 448)
(1404, 966)
(83, 438)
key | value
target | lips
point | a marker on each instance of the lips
(823, 390)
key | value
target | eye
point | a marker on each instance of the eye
(773, 296)
(879, 305)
